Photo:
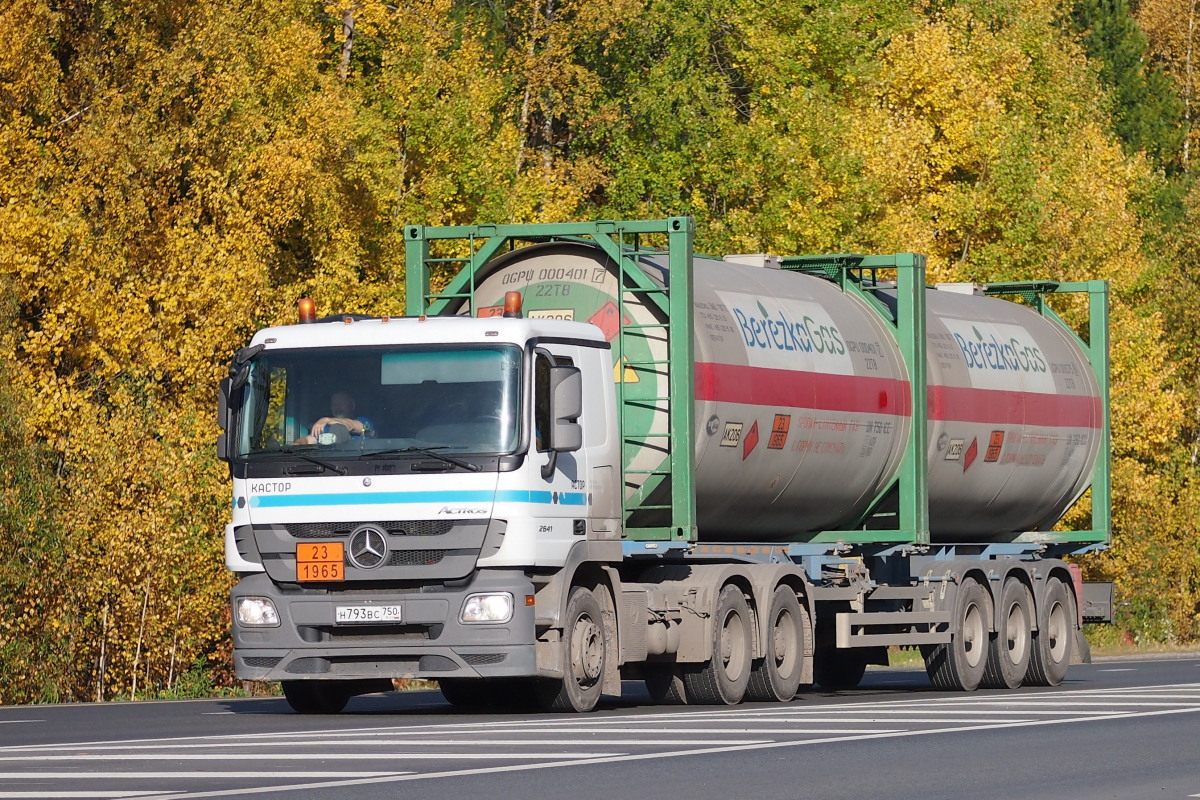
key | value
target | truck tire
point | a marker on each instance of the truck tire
(960, 663)
(836, 670)
(1009, 652)
(585, 646)
(316, 697)
(664, 683)
(722, 680)
(776, 676)
(515, 694)
(1051, 652)
(466, 692)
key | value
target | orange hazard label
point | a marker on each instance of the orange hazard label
(995, 445)
(779, 431)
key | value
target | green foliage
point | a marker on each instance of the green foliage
(1146, 110)
(174, 175)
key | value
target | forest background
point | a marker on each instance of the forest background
(174, 174)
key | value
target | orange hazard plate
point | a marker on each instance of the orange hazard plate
(320, 561)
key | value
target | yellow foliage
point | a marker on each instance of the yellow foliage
(166, 190)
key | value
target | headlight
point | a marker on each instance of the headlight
(494, 607)
(257, 611)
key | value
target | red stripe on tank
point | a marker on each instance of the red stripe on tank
(762, 386)
(860, 394)
(1003, 407)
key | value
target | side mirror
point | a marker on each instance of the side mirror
(566, 404)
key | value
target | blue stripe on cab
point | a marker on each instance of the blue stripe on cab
(381, 498)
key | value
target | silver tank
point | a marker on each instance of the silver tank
(802, 398)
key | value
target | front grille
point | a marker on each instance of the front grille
(261, 662)
(480, 659)
(334, 530)
(415, 558)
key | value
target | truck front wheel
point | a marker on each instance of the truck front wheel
(316, 697)
(585, 648)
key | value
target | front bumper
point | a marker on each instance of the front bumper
(430, 643)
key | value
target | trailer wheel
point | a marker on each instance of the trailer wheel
(1009, 652)
(664, 682)
(1052, 643)
(722, 680)
(776, 676)
(960, 663)
(316, 697)
(585, 644)
(836, 670)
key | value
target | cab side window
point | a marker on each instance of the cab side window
(541, 402)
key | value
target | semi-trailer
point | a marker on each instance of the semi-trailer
(593, 455)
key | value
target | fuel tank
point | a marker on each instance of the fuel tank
(802, 397)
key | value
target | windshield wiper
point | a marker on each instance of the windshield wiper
(291, 451)
(427, 451)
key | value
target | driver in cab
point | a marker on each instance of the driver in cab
(341, 412)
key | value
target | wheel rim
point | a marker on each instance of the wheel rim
(783, 642)
(587, 651)
(974, 635)
(1058, 632)
(734, 658)
(1017, 628)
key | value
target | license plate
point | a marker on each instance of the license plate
(366, 614)
(320, 561)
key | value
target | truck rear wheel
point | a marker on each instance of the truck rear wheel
(722, 680)
(1008, 655)
(776, 676)
(665, 684)
(585, 646)
(1052, 643)
(960, 663)
(316, 697)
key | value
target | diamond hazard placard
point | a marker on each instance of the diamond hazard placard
(971, 454)
(750, 441)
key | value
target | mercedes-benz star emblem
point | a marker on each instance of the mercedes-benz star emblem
(368, 547)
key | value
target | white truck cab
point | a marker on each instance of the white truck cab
(396, 481)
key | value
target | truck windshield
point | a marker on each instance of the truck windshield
(339, 402)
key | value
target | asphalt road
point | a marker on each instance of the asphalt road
(1117, 729)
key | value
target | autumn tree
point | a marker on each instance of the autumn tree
(1146, 111)
(174, 175)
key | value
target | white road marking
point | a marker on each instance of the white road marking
(1098, 702)
(308, 756)
(19, 721)
(175, 774)
(89, 793)
(463, 743)
(612, 759)
(1123, 669)
(785, 727)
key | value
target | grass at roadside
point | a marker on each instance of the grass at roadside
(1106, 641)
